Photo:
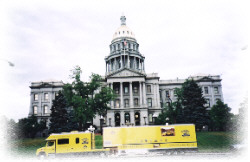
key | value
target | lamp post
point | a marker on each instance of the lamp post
(92, 130)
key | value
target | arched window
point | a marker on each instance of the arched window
(137, 118)
(127, 118)
(117, 119)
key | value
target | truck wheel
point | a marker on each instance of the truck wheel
(42, 156)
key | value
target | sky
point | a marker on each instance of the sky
(47, 39)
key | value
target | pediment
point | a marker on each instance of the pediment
(126, 73)
(44, 85)
(206, 79)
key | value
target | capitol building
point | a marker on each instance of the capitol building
(140, 96)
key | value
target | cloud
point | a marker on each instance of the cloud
(47, 39)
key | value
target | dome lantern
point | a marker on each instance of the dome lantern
(123, 20)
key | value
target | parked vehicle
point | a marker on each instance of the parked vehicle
(123, 140)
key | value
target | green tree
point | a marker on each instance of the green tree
(60, 117)
(220, 116)
(193, 103)
(171, 113)
(29, 127)
(87, 98)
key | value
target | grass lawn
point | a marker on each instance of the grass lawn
(216, 141)
(207, 142)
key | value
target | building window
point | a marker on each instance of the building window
(126, 90)
(46, 96)
(127, 118)
(135, 89)
(217, 99)
(36, 97)
(216, 90)
(206, 90)
(207, 102)
(126, 102)
(116, 90)
(117, 103)
(167, 94)
(136, 101)
(149, 102)
(46, 109)
(148, 88)
(35, 110)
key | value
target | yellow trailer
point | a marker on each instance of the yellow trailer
(151, 138)
(70, 143)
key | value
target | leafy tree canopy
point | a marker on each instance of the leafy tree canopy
(87, 98)
(220, 116)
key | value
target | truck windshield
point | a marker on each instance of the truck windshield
(50, 143)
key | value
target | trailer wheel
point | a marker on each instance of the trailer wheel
(102, 154)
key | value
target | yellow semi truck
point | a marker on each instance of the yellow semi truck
(122, 139)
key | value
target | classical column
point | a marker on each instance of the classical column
(121, 95)
(139, 64)
(158, 95)
(132, 117)
(122, 118)
(131, 94)
(115, 64)
(134, 62)
(106, 67)
(128, 62)
(144, 94)
(121, 62)
(31, 106)
(140, 94)
(110, 65)
(155, 99)
(112, 101)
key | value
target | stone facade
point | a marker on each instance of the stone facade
(140, 96)
(41, 97)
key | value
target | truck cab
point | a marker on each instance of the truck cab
(70, 143)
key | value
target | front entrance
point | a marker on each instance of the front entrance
(137, 118)
(117, 119)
